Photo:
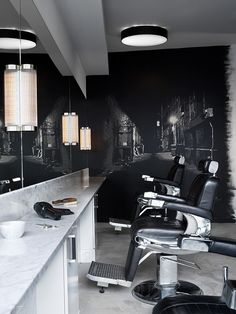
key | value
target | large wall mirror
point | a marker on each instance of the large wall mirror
(29, 157)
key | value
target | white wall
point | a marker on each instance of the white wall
(231, 123)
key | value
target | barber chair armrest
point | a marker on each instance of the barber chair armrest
(194, 243)
(166, 198)
(159, 180)
(223, 246)
(172, 183)
(169, 198)
(211, 244)
(185, 208)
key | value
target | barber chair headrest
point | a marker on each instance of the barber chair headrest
(179, 160)
(213, 167)
(208, 166)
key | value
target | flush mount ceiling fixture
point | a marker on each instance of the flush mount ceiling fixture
(13, 39)
(144, 36)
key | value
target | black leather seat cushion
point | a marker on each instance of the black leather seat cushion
(192, 305)
(157, 228)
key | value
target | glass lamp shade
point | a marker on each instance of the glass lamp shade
(70, 128)
(20, 97)
(85, 138)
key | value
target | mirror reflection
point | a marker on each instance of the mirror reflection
(29, 157)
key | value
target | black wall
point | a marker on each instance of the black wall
(129, 112)
(147, 87)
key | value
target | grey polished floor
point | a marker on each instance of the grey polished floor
(112, 248)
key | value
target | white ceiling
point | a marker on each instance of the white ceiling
(189, 23)
(9, 18)
(78, 34)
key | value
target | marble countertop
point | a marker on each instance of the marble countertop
(23, 261)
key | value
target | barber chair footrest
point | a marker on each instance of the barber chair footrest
(119, 223)
(105, 274)
(151, 292)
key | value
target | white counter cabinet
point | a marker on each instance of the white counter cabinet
(57, 291)
(39, 272)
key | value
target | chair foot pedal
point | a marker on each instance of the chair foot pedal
(105, 274)
(119, 223)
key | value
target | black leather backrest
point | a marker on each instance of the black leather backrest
(179, 173)
(203, 165)
(196, 188)
(202, 192)
(176, 173)
(207, 196)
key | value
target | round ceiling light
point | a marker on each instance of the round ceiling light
(144, 36)
(15, 39)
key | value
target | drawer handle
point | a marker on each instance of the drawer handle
(72, 248)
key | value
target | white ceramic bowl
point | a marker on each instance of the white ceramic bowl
(12, 229)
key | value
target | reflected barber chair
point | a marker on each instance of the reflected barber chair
(170, 185)
(170, 236)
(203, 304)
(10, 185)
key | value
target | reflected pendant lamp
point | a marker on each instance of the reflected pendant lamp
(20, 97)
(144, 36)
(70, 128)
(85, 138)
(13, 39)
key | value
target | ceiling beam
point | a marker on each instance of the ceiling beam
(44, 18)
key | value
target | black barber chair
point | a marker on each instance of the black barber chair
(188, 219)
(151, 203)
(167, 235)
(202, 304)
(8, 185)
(170, 185)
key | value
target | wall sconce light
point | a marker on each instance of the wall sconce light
(13, 38)
(20, 97)
(144, 36)
(70, 128)
(85, 138)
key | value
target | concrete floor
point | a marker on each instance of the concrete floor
(112, 248)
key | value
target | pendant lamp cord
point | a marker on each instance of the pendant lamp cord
(21, 132)
(86, 125)
(70, 146)
(20, 26)
(69, 96)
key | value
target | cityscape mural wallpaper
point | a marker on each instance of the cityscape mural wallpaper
(152, 106)
(176, 104)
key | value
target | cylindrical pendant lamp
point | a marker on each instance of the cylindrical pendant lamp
(20, 97)
(85, 138)
(70, 128)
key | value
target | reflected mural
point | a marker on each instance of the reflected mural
(45, 157)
